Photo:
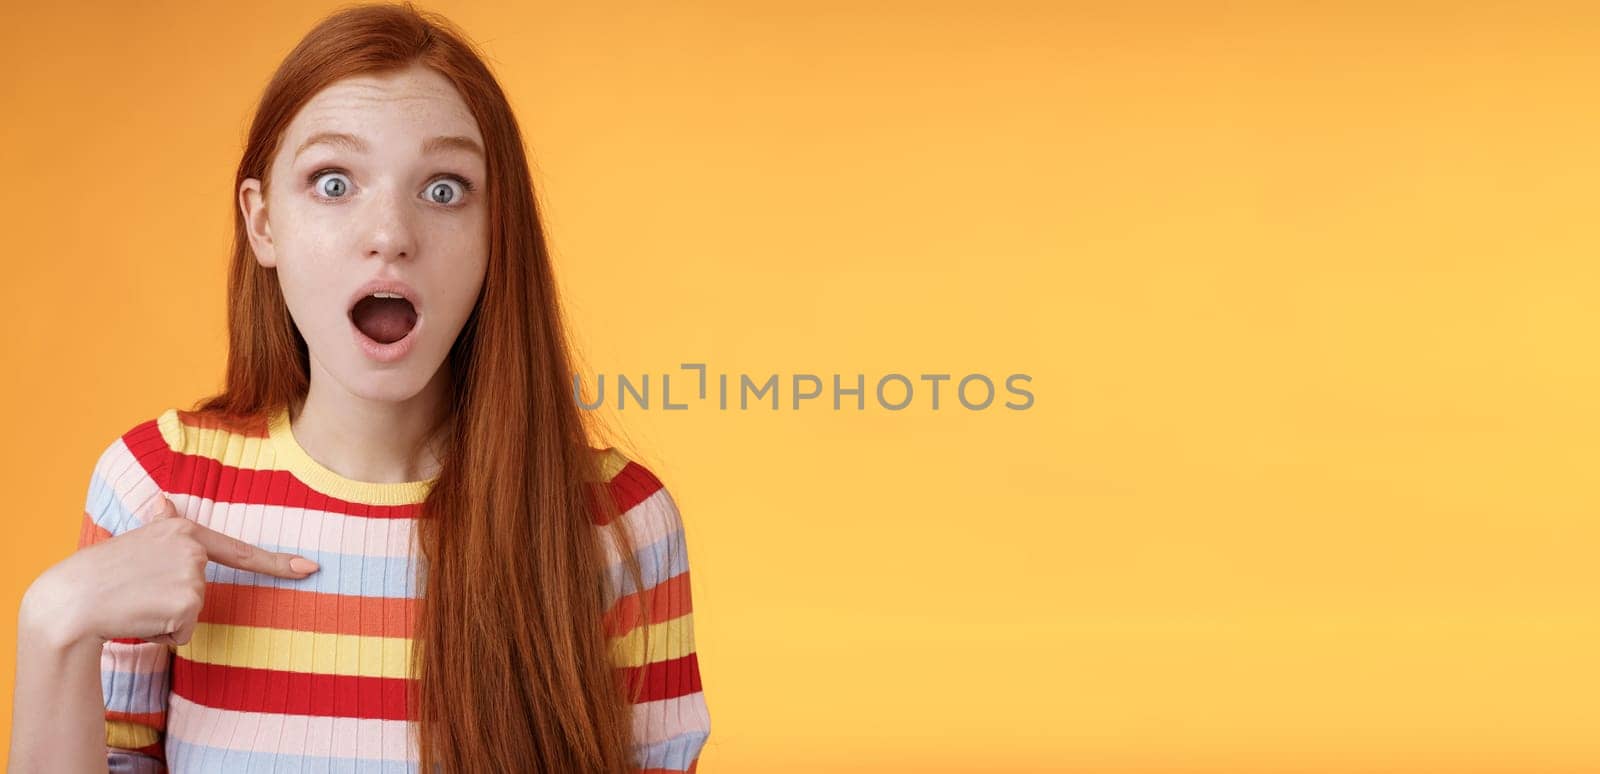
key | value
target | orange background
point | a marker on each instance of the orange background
(1307, 293)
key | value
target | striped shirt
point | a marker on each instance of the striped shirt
(311, 674)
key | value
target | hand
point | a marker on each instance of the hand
(148, 582)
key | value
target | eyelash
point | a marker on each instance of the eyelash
(311, 180)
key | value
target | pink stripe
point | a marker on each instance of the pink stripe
(129, 658)
(655, 721)
(652, 519)
(363, 738)
(130, 482)
(300, 529)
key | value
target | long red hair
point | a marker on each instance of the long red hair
(513, 665)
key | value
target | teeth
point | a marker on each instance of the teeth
(387, 295)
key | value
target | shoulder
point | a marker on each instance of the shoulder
(140, 462)
(651, 526)
(626, 479)
(156, 441)
(643, 502)
(131, 470)
(145, 448)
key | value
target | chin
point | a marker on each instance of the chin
(387, 391)
(396, 383)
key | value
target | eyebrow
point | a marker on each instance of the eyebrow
(356, 144)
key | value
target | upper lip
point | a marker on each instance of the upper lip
(382, 285)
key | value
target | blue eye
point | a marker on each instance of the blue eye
(442, 192)
(447, 189)
(334, 189)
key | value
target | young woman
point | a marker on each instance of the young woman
(486, 591)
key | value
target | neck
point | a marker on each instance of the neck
(377, 441)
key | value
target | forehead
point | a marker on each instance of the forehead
(415, 101)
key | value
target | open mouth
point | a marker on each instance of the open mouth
(384, 317)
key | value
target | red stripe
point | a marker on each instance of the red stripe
(668, 599)
(90, 533)
(156, 720)
(151, 450)
(246, 689)
(667, 679)
(202, 476)
(308, 611)
(629, 487)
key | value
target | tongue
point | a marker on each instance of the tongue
(384, 320)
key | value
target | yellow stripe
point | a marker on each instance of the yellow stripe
(323, 653)
(216, 443)
(261, 647)
(128, 735)
(669, 639)
(171, 429)
(611, 462)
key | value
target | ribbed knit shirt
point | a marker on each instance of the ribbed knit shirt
(310, 674)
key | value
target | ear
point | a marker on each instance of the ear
(254, 207)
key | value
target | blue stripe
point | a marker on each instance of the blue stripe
(103, 505)
(184, 756)
(658, 562)
(672, 753)
(350, 574)
(135, 694)
(120, 761)
(134, 691)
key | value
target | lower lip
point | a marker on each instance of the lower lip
(386, 353)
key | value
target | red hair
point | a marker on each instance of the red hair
(513, 665)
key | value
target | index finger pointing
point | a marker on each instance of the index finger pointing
(233, 552)
(164, 508)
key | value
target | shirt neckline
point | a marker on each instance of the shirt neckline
(314, 474)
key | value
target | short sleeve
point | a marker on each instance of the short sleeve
(670, 718)
(134, 674)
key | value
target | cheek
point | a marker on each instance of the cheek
(297, 246)
(310, 291)
(458, 290)
(472, 283)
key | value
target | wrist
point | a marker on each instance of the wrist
(49, 617)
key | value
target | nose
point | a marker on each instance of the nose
(389, 232)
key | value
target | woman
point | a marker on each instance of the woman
(485, 590)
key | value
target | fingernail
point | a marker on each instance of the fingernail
(302, 565)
